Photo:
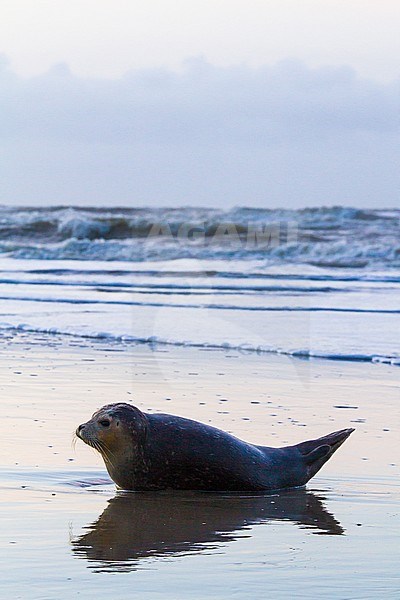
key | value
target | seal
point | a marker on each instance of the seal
(145, 451)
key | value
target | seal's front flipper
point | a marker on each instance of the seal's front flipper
(317, 452)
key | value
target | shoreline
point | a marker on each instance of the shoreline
(127, 342)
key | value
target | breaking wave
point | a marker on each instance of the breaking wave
(336, 237)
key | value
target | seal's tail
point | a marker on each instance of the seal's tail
(317, 452)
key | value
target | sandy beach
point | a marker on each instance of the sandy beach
(59, 507)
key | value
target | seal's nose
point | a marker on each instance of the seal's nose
(79, 429)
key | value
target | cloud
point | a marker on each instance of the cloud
(284, 135)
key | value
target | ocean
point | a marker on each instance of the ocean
(319, 282)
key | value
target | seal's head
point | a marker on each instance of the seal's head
(118, 432)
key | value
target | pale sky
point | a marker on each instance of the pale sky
(263, 102)
(105, 38)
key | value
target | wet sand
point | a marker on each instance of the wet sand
(66, 533)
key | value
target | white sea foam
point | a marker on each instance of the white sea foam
(327, 237)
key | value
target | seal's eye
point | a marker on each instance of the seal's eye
(105, 423)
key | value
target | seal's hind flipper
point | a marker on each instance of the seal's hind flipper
(317, 452)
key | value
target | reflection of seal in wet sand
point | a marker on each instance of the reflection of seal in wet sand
(137, 526)
(155, 452)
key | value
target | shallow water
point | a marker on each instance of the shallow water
(335, 541)
(67, 533)
(315, 282)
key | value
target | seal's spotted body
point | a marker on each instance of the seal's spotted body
(160, 451)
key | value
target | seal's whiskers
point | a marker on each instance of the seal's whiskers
(107, 452)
